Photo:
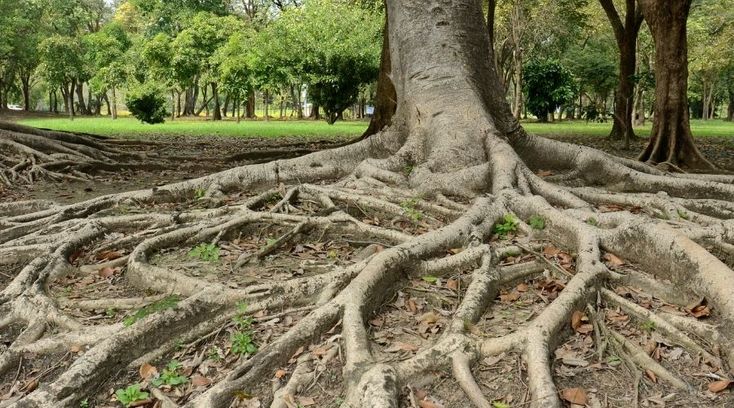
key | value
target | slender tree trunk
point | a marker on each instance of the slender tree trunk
(730, 109)
(114, 103)
(26, 85)
(70, 100)
(250, 108)
(225, 107)
(215, 95)
(82, 110)
(671, 140)
(267, 105)
(625, 32)
(237, 103)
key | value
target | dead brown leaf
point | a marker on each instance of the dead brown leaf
(574, 396)
(106, 272)
(147, 371)
(280, 373)
(452, 284)
(108, 255)
(651, 375)
(719, 386)
(613, 260)
(200, 381)
(576, 318)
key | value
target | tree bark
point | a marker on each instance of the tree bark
(386, 99)
(26, 85)
(215, 94)
(626, 35)
(114, 103)
(730, 109)
(83, 110)
(671, 141)
(250, 108)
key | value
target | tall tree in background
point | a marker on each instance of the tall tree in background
(671, 141)
(625, 32)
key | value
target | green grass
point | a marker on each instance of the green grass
(128, 127)
(132, 128)
(700, 128)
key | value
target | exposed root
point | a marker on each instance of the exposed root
(401, 227)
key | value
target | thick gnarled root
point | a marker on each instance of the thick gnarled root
(378, 289)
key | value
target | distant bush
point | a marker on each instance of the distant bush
(147, 103)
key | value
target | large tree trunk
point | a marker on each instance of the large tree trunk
(671, 141)
(83, 109)
(250, 106)
(626, 35)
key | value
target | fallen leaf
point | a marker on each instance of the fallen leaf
(510, 297)
(147, 371)
(523, 287)
(106, 272)
(452, 284)
(429, 318)
(651, 375)
(280, 373)
(575, 362)
(306, 401)
(613, 260)
(108, 255)
(75, 348)
(428, 404)
(551, 250)
(719, 386)
(199, 380)
(544, 173)
(574, 396)
(576, 319)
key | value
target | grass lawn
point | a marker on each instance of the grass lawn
(132, 128)
(700, 128)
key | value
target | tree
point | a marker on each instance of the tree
(62, 64)
(436, 192)
(147, 103)
(106, 52)
(317, 44)
(671, 141)
(548, 85)
(626, 33)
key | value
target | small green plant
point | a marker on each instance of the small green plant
(110, 312)
(199, 193)
(171, 375)
(509, 224)
(242, 339)
(408, 170)
(537, 222)
(410, 209)
(682, 214)
(168, 302)
(131, 394)
(214, 354)
(84, 403)
(649, 326)
(205, 252)
(662, 215)
(614, 361)
(429, 279)
(592, 221)
(500, 404)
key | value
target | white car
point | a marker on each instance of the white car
(15, 107)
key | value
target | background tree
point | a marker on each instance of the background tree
(548, 86)
(671, 141)
(625, 32)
